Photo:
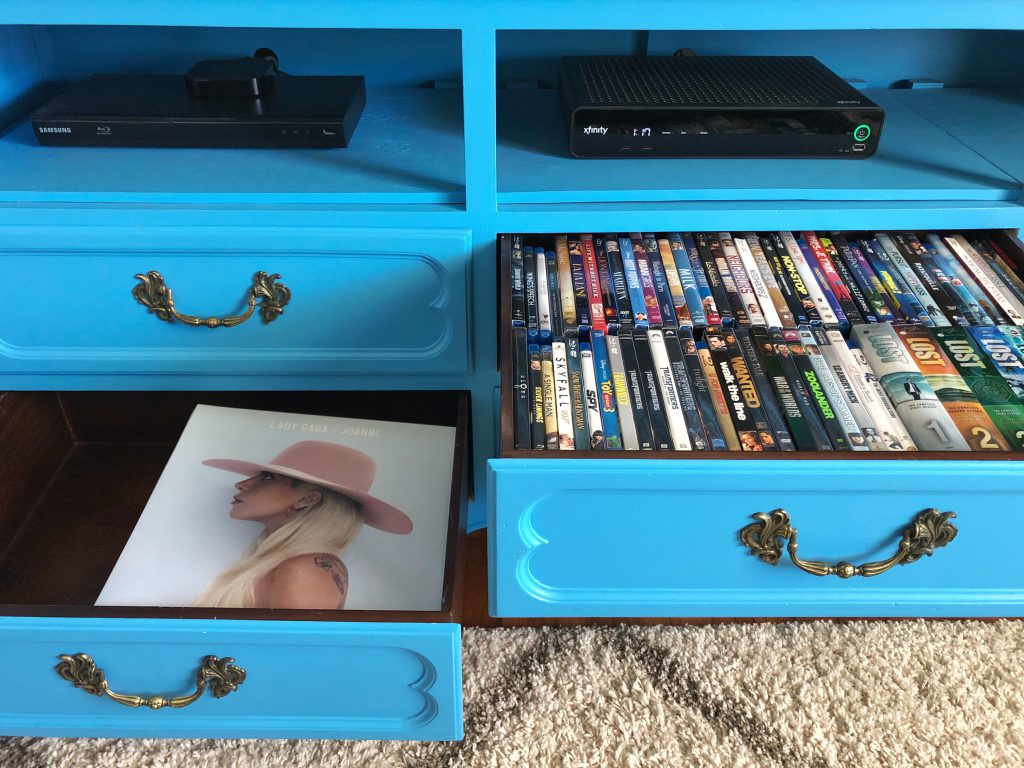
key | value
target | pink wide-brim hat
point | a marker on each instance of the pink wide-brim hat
(332, 466)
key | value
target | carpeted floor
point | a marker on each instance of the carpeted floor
(808, 695)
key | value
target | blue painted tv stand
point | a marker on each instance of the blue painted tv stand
(390, 250)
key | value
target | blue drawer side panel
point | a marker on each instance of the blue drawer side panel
(304, 679)
(661, 538)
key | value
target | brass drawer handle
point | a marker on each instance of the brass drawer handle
(153, 293)
(222, 676)
(930, 530)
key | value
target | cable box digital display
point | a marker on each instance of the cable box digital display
(300, 111)
(714, 106)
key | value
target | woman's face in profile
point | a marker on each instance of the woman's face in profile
(264, 496)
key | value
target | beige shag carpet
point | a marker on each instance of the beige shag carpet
(808, 695)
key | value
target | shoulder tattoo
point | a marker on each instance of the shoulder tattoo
(338, 573)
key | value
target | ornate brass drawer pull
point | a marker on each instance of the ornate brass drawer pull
(153, 293)
(930, 530)
(222, 676)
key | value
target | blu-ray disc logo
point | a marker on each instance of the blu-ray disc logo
(601, 130)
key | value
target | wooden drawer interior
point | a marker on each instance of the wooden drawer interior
(77, 468)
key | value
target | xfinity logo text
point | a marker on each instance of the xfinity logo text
(51, 129)
(602, 130)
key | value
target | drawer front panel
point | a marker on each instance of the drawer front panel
(362, 302)
(303, 679)
(661, 538)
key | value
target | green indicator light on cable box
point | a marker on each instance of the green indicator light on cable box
(861, 132)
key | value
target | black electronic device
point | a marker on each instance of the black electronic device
(714, 106)
(240, 104)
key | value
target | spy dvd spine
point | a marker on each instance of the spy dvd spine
(643, 267)
(743, 421)
(520, 388)
(636, 292)
(563, 400)
(591, 397)
(991, 389)
(666, 306)
(815, 257)
(932, 316)
(918, 406)
(702, 394)
(606, 392)
(744, 285)
(722, 408)
(864, 310)
(688, 280)
(581, 436)
(1003, 354)
(604, 276)
(769, 403)
(684, 385)
(707, 298)
(593, 281)
(634, 378)
(566, 296)
(833, 348)
(775, 295)
(670, 399)
(651, 392)
(766, 314)
(620, 385)
(716, 243)
(537, 438)
(956, 397)
(554, 305)
(828, 417)
(623, 307)
(512, 248)
(706, 259)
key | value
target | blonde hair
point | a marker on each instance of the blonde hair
(327, 527)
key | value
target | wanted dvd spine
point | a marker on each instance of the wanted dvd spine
(827, 415)
(567, 298)
(604, 276)
(826, 255)
(962, 405)
(969, 304)
(808, 309)
(581, 436)
(606, 392)
(593, 281)
(782, 311)
(943, 293)
(620, 386)
(591, 397)
(769, 402)
(766, 315)
(932, 316)
(864, 311)
(530, 289)
(816, 259)
(563, 400)
(543, 294)
(895, 287)
(981, 375)
(723, 309)
(537, 438)
(512, 249)
(651, 391)
(636, 291)
(1000, 294)
(620, 288)
(667, 260)
(578, 271)
(822, 310)
(547, 369)
(634, 380)
(865, 278)
(687, 280)
(794, 403)
(893, 432)
(798, 314)
(717, 245)
(833, 389)
(735, 249)
(684, 386)
(702, 394)
(666, 305)
(837, 354)
(1003, 354)
(671, 402)
(554, 305)
(708, 306)
(643, 268)
(520, 388)
(743, 420)
(919, 408)
(722, 408)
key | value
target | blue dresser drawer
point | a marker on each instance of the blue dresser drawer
(69, 307)
(636, 537)
(302, 679)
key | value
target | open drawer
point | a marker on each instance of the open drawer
(76, 472)
(601, 533)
